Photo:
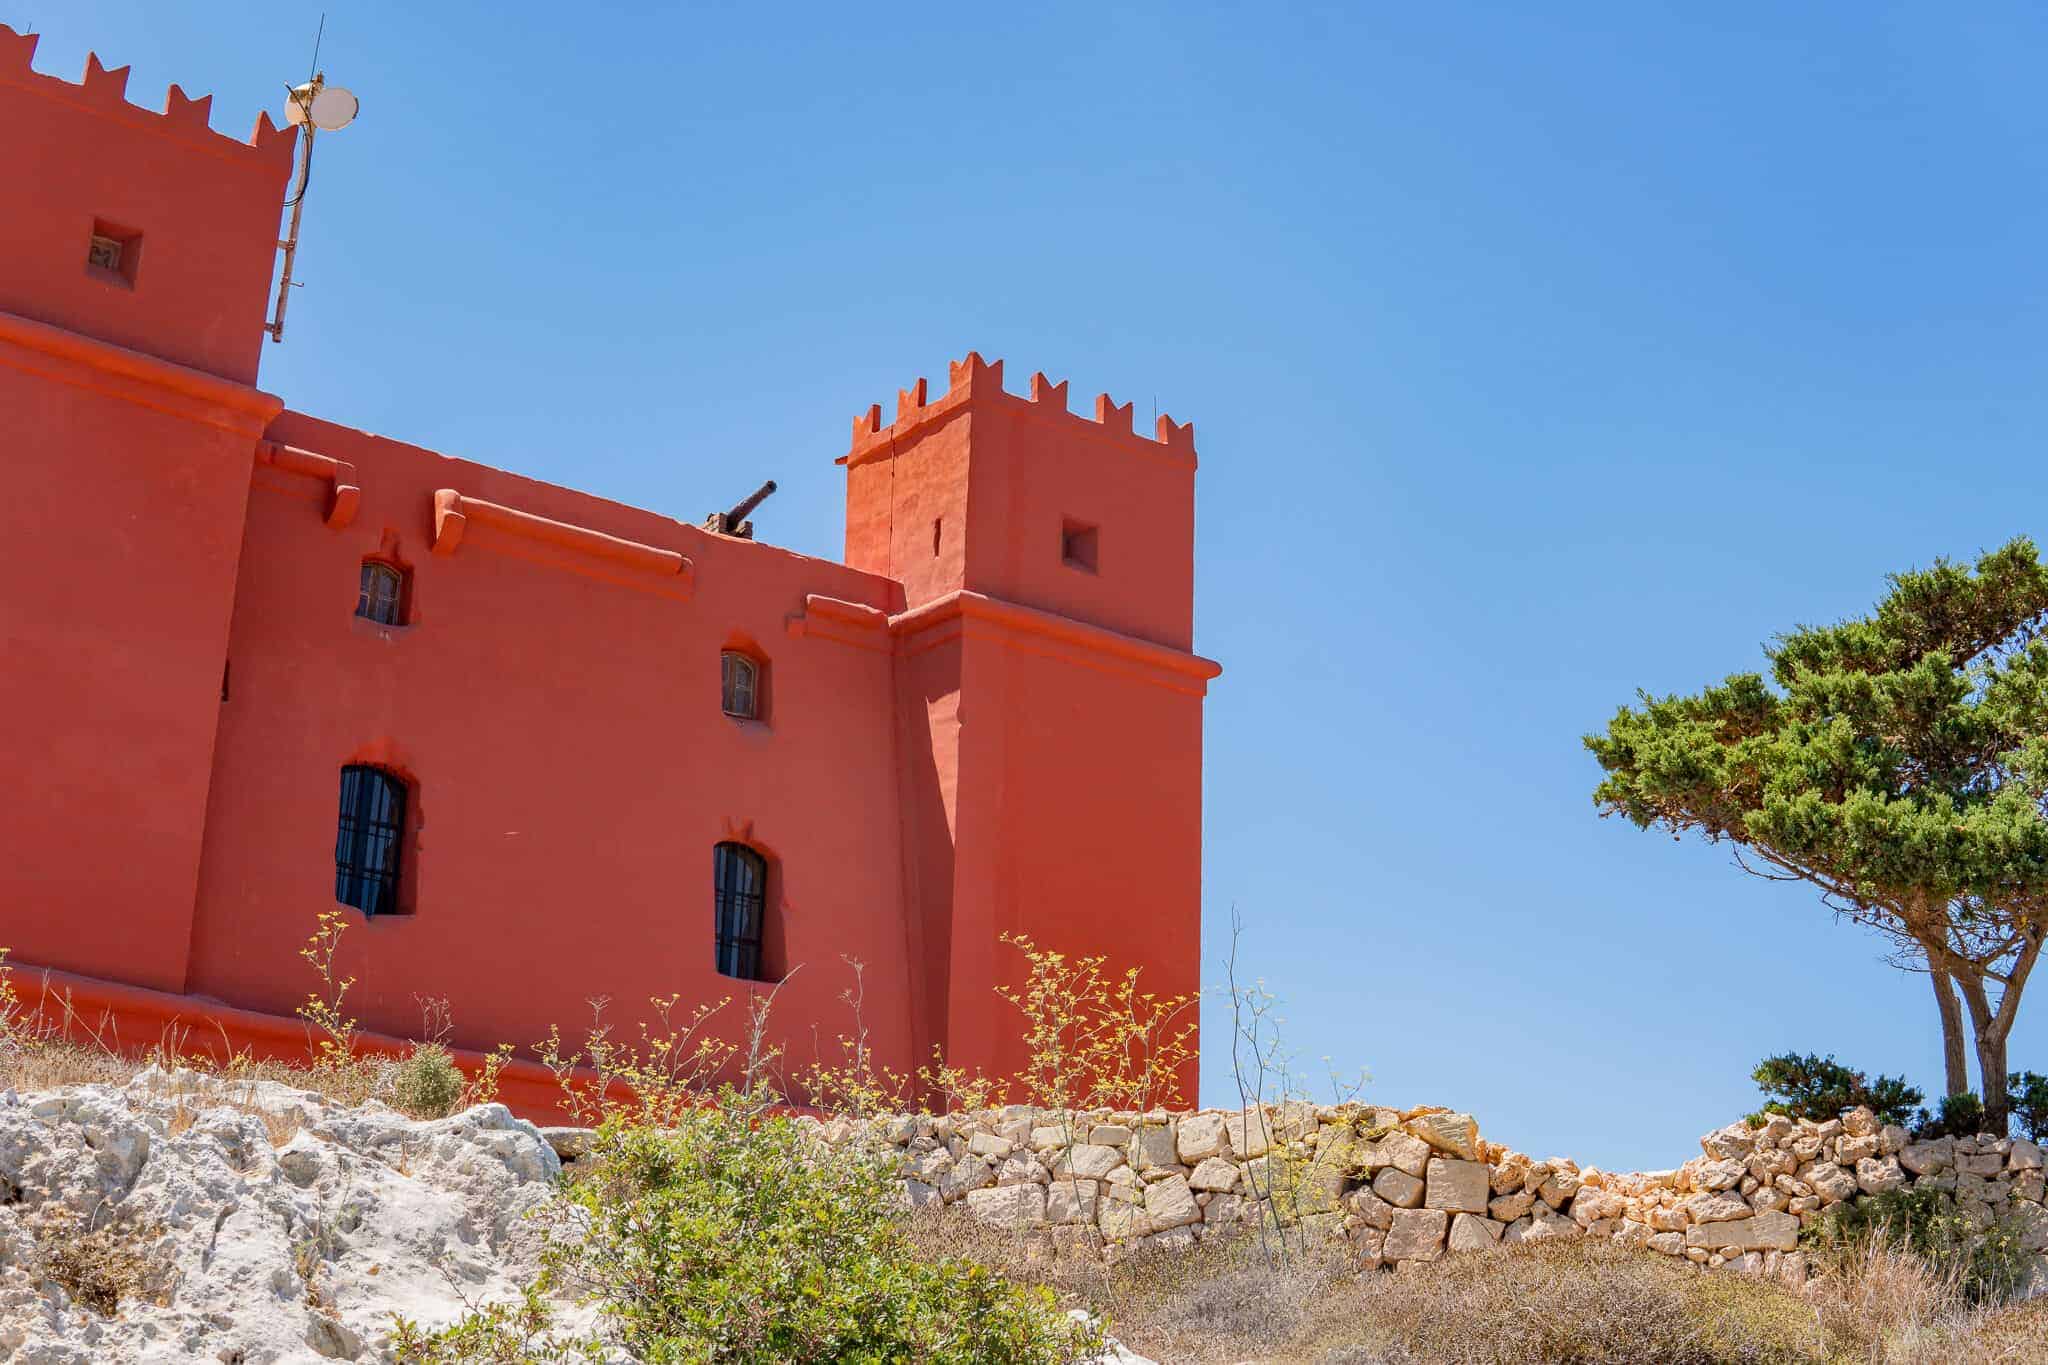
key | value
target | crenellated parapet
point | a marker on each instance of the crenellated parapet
(104, 91)
(973, 380)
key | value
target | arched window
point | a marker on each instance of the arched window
(382, 598)
(367, 839)
(739, 879)
(739, 685)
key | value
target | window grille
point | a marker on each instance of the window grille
(740, 885)
(382, 594)
(367, 839)
(739, 685)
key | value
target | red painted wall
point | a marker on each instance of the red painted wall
(964, 736)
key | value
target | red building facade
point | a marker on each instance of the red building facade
(541, 746)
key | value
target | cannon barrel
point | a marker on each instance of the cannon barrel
(749, 503)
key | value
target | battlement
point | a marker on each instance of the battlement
(105, 91)
(973, 380)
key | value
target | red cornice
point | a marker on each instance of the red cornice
(72, 358)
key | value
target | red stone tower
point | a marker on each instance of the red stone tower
(1047, 562)
(138, 250)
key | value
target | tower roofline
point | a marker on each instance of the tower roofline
(974, 380)
(103, 91)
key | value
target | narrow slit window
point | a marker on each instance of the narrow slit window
(382, 596)
(739, 685)
(367, 839)
(1078, 546)
(739, 879)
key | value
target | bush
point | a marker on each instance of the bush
(1820, 1088)
(723, 1240)
(427, 1084)
(1960, 1115)
(1989, 1265)
(2027, 1097)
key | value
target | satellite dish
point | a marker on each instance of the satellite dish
(326, 107)
(334, 108)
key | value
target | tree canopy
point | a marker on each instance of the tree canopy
(1897, 761)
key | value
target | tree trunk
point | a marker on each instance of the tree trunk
(1954, 1057)
(1991, 1066)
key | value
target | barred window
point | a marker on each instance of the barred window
(367, 839)
(383, 593)
(739, 679)
(739, 879)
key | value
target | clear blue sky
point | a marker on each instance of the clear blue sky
(1536, 353)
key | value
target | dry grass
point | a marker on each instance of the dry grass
(1576, 1302)
(101, 1266)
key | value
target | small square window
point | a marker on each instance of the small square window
(739, 685)
(113, 253)
(1077, 546)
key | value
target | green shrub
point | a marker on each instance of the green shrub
(1820, 1088)
(1960, 1115)
(1990, 1264)
(728, 1241)
(427, 1084)
(2027, 1098)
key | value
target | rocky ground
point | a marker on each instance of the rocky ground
(248, 1222)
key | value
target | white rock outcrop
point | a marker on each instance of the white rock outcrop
(275, 1227)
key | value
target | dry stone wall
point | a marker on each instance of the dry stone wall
(1412, 1185)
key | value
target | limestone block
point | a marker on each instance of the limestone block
(1457, 1134)
(1459, 1186)
(1671, 1219)
(1417, 1235)
(1248, 1132)
(1169, 1203)
(2025, 1156)
(989, 1145)
(1716, 1208)
(1891, 1140)
(1214, 1173)
(1829, 1181)
(1877, 1175)
(1398, 1188)
(1373, 1210)
(1928, 1158)
(967, 1174)
(1121, 1222)
(1860, 1122)
(1049, 1137)
(1718, 1175)
(1109, 1135)
(1729, 1144)
(1402, 1151)
(1597, 1205)
(1507, 1176)
(1558, 1188)
(1757, 1233)
(917, 1194)
(1979, 1163)
(1155, 1147)
(1224, 1210)
(1507, 1208)
(1851, 1150)
(1470, 1232)
(1021, 1168)
(1015, 1207)
(1201, 1136)
(1667, 1243)
(1072, 1201)
(1088, 1162)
